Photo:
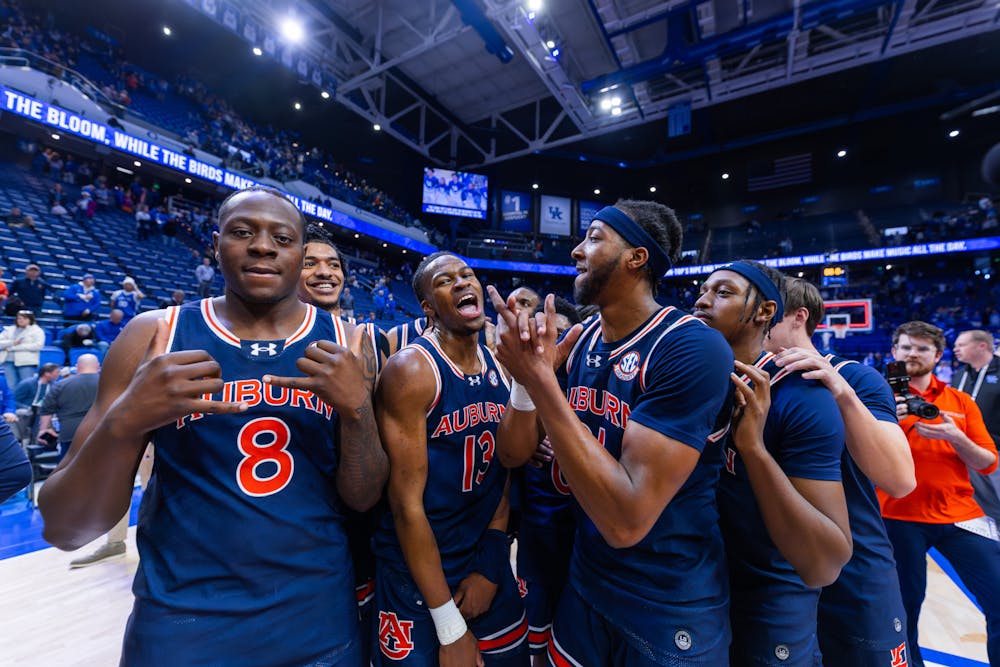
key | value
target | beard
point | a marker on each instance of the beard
(588, 285)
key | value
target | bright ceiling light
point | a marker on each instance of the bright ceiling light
(137, 163)
(725, 175)
(954, 133)
(377, 127)
(616, 101)
(257, 51)
(298, 106)
(597, 191)
(292, 30)
(652, 188)
(841, 153)
(325, 95)
(550, 44)
(167, 31)
(534, 5)
(616, 111)
(55, 136)
(606, 104)
(534, 186)
(187, 180)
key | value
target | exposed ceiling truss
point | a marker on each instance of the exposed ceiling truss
(377, 55)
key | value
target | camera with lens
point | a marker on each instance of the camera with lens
(899, 380)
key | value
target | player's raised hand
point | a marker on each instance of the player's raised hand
(333, 373)
(752, 405)
(168, 386)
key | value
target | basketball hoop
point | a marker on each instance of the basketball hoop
(839, 330)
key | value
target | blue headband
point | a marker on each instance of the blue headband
(619, 221)
(758, 279)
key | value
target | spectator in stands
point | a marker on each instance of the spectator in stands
(979, 376)
(347, 303)
(69, 400)
(107, 330)
(81, 335)
(176, 299)
(127, 299)
(4, 293)
(102, 194)
(86, 207)
(55, 166)
(390, 306)
(169, 230)
(57, 200)
(28, 396)
(81, 300)
(21, 343)
(205, 275)
(379, 299)
(31, 289)
(18, 219)
(143, 222)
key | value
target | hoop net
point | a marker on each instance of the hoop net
(839, 330)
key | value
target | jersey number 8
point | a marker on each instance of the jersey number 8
(264, 441)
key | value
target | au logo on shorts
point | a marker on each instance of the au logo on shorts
(394, 635)
(628, 367)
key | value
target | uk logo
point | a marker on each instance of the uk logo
(256, 349)
(899, 656)
(394, 636)
(475, 380)
(628, 367)
(593, 360)
(555, 213)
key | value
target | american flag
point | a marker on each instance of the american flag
(782, 172)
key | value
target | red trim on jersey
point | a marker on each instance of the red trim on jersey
(642, 332)
(172, 317)
(683, 320)
(539, 638)
(506, 638)
(306, 326)
(579, 342)
(558, 656)
(215, 326)
(451, 364)
(437, 376)
(365, 591)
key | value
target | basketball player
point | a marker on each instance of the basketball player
(445, 593)
(403, 334)
(634, 442)
(264, 432)
(547, 526)
(861, 618)
(321, 284)
(526, 299)
(781, 500)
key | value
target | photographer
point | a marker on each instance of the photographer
(941, 512)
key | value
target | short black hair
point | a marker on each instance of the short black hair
(317, 234)
(421, 273)
(780, 281)
(223, 207)
(567, 310)
(660, 222)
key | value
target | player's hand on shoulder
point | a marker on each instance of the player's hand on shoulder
(752, 404)
(169, 385)
(474, 595)
(461, 653)
(333, 373)
(813, 366)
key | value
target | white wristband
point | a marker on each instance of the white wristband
(449, 623)
(519, 397)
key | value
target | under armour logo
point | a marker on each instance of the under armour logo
(256, 349)
(593, 360)
(555, 213)
(475, 380)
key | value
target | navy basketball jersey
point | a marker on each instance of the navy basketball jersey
(379, 344)
(241, 537)
(773, 611)
(464, 484)
(864, 604)
(408, 332)
(671, 375)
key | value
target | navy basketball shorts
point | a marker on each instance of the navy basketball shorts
(543, 555)
(775, 628)
(405, 634)
(838, 652)
(650, 637)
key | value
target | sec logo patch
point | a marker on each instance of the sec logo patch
(628, 367)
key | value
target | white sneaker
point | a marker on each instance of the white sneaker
(108, 551)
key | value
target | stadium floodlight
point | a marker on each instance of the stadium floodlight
(597, 191)
(292, 30)
(167, 31)
(137, 163)
(298, 106)
(841, 153)
(616, 111)
(404, 251)
(725, 175)
(534, 5)
(257, 51)
(55, 136)
(377, 127)
(551, 44)
(385, 245)
(325, 95)
(606, 104)
(953, 134)
(357, 236)
(616, 101)
(187, 180)
(534, 186)
(652, 188)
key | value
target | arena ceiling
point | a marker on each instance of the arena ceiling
(474, 82)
